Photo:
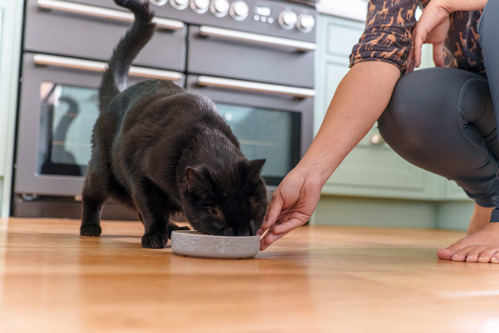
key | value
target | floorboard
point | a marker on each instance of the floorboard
(317, 279)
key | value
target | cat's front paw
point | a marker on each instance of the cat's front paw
(93, 230)
(154, 240)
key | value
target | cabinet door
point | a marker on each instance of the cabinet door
(335, 39)
(372, 168)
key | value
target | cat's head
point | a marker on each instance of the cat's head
(229, 201)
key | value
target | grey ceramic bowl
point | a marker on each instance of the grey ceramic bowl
(195, 244)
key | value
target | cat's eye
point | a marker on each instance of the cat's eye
(255, 181)
(215, 212)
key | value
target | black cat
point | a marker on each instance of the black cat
(161, 149)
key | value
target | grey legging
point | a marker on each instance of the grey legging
(445, 120)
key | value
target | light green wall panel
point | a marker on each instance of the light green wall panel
(337, 210)
(364, 211)
(454, 215)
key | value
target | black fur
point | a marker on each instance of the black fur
(161, 149)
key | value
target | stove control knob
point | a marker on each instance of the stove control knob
(287, 19)
(306, 22)
(239, 10)
(200, 6)
(158, 2)
(219, 8)
(179, 4)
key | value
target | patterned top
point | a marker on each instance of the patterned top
(388, 36)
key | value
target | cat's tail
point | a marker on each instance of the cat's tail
(115, 77)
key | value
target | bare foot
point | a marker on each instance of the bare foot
(482, 246)
(482, 241)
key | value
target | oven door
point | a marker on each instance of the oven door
(58, 108)
(270, 121)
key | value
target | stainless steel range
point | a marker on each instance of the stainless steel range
(254, 58)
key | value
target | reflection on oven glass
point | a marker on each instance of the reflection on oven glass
(264, 133)
(67, 117)
(68, 114)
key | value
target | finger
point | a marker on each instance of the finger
(417, 51)
(289, 225)
(418, 40)
(270, 238)
(410, 62)
(438, 54)
(273, 211)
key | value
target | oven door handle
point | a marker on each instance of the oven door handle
(256, 38)
(211, 81)
(98, 66)
(76, 8)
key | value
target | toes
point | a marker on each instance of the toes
(486, 255)
(461, 254)
(450, 251)
(154, 240)
(92, 230)
(474, 253)
(445, 254)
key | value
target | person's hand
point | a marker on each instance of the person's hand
(291, 205)
(432, 28)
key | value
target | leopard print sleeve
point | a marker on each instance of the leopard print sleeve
(388, 33)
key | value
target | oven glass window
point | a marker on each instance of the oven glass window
(264, 133)
(68, 115)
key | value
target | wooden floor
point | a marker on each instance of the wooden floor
(317, 279)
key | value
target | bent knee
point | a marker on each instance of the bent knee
(431, 104)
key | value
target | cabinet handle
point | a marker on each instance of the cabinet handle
(98, 66)
(376, 139)
(255, 86)
(70, 7)
(256, 38)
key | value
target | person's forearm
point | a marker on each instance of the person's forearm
(462, 5)
(359, 100)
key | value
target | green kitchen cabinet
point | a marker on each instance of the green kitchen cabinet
(372, 168)
(11, 12)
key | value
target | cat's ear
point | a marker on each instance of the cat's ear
(197, 179)
(254, 169)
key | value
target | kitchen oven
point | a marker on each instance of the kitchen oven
(254, 58)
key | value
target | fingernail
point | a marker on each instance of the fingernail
(494, 260)
(259, 232)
